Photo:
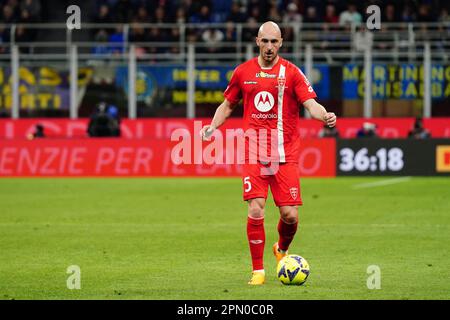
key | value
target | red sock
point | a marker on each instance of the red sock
(286, 232)
(256, 240)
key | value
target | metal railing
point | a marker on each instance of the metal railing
(304, 44)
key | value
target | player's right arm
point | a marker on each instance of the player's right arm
(222, 113)
(232, 96)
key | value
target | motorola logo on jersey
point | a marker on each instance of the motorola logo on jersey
(264, 101)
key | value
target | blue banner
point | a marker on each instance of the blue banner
(404, 81)
(214, 79)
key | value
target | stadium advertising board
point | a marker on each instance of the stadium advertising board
(138, 157)
(145, 149)
(158, 128)
(402, 81)
(395, 157)
(41, 87)
(154, 157)
(210, 82)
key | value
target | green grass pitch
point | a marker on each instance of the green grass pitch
(185, 239)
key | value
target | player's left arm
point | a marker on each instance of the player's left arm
(319, 112)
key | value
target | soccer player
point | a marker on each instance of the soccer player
(272, 89)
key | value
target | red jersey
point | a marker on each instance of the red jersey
(271, 99)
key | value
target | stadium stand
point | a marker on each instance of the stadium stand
(223, 33)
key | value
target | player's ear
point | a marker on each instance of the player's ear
(257, 41)
(281, 42)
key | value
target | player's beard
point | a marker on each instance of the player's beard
(269, 57)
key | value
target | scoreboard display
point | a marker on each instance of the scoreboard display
(392, 157)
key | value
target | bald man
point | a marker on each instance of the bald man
(272, 89)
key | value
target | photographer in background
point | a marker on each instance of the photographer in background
(38, 132)
(104, 122)
(328, 132)
(368, 130)
(419, 132)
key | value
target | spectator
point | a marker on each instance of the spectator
(137, 32)
(419, 132)
(311, 15)
(213, 37)
(180, 15)
(300, 4)
(155, 35)
(273, 14)
(363, 38)
(327, 132)
(408, 14)
(194, 6)
(368, 130)
(123, 11)
(444, 16)
(102, 38)
(160, 15)
(251, 29)
(103, 16)
(237, 13)
(25, 34)
(350, 16)
(142, 15)
(425, 14)
(204, 16)
(22, 35)
(117, 38)
(330, 14)
(389, 14)
(33, 7)
(292, 14)
(8, 15)
(174, 36)
(229, 39)
(258, 9)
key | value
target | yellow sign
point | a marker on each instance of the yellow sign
(404, 81)
(40, 87)
(443, 158)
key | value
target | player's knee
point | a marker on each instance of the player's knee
(289, 214)
(255, 210)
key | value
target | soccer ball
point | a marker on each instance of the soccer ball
(293, 269)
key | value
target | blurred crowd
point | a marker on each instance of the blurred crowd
(207, 11)
(251, 12)
(19, 11)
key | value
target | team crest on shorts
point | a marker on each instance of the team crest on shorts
(294, 193)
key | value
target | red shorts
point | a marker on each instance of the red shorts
(284, 182)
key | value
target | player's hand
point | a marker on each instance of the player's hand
(206, 132)
(330, 119)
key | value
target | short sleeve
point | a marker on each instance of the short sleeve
(302, 87)
(233, 91)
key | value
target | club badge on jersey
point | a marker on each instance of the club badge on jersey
(281, 82)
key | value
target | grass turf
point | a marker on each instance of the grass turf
(185, 239)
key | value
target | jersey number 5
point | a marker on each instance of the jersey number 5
(247, 184)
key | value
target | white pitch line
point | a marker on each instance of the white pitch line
(381, 183)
